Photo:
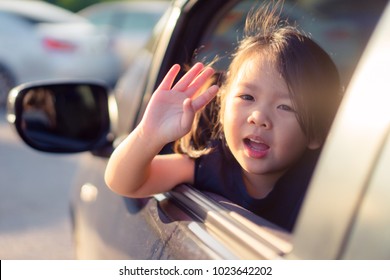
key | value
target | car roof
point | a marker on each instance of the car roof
(39, 10)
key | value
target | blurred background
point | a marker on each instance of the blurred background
(69, 39)
(56, 39)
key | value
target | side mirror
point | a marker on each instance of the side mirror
(60, 117)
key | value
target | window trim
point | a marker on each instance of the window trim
(235, 228)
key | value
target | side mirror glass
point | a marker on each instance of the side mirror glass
(61, 117)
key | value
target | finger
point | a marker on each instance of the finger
(199, 81)
(169, 78)
(203, 99)
(189, 77)
(188, 115)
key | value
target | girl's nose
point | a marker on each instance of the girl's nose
(259, 118)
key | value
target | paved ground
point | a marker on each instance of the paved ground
(34, 191)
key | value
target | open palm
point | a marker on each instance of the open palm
(171, 110)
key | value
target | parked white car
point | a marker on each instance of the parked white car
(130, 23)
(43, 41)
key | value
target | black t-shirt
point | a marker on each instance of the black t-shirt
(218, 172)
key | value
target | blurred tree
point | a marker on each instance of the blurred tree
(75, 5)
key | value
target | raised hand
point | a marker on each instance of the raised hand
(135, 169)
(171, 110)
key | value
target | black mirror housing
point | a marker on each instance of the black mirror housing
(61, 116)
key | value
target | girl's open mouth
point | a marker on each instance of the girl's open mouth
(256, 148)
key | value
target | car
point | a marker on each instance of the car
(345, 213)
(43, 41)
(129, 23)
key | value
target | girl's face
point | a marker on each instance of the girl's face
(260, 125)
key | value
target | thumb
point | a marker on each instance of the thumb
(188, 115)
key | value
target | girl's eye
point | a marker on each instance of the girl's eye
(246, 97)
(286, 108)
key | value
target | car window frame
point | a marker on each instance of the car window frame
(332, 184)
(241, 233)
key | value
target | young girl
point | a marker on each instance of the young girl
(275, 108)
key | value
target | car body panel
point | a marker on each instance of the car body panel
(370, 236)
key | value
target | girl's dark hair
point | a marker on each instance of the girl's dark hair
(310, 74)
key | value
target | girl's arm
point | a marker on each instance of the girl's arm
(134, 168)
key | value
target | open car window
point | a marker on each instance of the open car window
(342, 29)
